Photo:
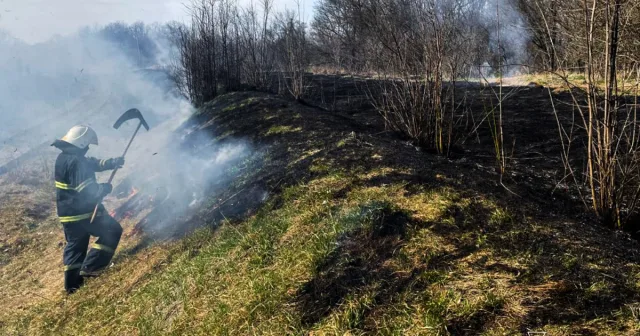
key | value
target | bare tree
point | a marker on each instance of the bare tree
(291, 43)
(417, 48)
(227, 47)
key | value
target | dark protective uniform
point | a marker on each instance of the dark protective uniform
(77, 194)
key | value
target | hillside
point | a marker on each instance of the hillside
(330, 226)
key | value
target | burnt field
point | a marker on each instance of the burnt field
(322, 171)
(531, 117)
(330, 223)
(535, 172)
(535, 175)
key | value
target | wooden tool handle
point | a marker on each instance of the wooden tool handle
(113, 173)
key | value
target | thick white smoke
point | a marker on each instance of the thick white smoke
(85, 79)
(508, 39)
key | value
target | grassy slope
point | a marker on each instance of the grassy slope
(30, 239)
(362, 234)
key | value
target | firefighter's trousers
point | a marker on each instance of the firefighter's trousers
(79, 263)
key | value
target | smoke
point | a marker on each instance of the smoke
(508, 39)
(92, 78)
(180, 179)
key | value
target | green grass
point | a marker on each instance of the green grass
(250, 278)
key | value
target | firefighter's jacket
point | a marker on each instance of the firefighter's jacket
(77, 191)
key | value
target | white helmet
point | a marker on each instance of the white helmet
(81, 136)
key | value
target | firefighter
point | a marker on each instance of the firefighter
(77, 194)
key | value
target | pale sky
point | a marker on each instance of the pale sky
(38, 20)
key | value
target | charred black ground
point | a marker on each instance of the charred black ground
(352, 138)
(335, 225)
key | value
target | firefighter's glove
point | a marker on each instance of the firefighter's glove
(107, 188)
(118, 162)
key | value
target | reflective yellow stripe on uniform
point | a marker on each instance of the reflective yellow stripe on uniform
(79, 188)
(102, 248)
(68, 219)
(64, 186)
(84, 184)
(72, 267)
(103, 163)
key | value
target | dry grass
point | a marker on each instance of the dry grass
(29, 239)
(282, 130)
(578, 80)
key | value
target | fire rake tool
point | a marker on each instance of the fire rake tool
(129, 115)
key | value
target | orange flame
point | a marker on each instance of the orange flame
(134, 191)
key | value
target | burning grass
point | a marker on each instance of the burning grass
(361, 235)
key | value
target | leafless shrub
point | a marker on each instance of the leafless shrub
(228, 47)
(558, 42)
(415, 108)
(607, 112)
(256, 39)
(419, 44)
(291, 44)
